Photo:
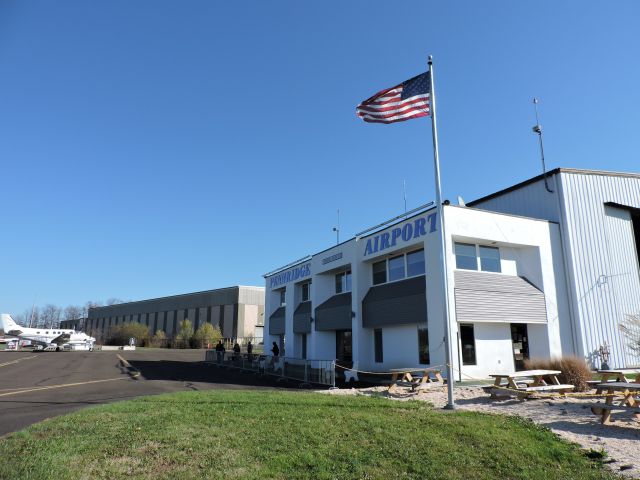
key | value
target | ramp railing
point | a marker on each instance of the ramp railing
(321, 372)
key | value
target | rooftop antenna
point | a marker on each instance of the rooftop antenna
(337, 229)
(538, 129)
(404, 194)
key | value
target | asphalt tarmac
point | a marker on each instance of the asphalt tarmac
(38, 385)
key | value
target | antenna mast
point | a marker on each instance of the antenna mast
(538, 129)
(404, 194)
(337, 229)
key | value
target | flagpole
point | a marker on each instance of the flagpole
(445, 274)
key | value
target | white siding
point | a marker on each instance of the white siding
(599, 246)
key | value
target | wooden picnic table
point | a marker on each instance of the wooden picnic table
(629, 401)
(527, 382)
(416, 378)
(619, 375)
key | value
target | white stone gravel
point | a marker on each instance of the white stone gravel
(569, 417)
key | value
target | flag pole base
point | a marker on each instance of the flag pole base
(450, 406)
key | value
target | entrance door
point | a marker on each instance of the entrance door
(344, 349)
(520, 342)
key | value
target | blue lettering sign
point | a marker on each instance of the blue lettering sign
(414, 230)
(293, 274)
(395, 233)
(407, 231)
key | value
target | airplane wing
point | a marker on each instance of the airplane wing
(60, 339)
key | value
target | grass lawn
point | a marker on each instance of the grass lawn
(287, 435)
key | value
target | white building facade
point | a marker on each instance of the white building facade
(522, 267)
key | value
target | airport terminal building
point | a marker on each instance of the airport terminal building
(237, 311)
(545, 268)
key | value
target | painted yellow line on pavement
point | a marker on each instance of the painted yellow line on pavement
(17, 360)
(51, 387)
(133, 371)
(124, 362)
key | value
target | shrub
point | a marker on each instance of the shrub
(575, 371)
(120, 334)
(206, 334)
(630, 328)
(158, 339)
(183, 339)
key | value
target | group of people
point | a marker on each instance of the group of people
(220, 350)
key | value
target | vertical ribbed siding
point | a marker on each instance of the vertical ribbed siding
(531, 200)
(596, 243)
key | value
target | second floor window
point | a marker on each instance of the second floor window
(343, 282)
(305, 290)
(379, 272)
(399, 267)
(282, 299)
(477, 257)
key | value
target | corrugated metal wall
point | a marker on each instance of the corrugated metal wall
(597, 246)
(531, 200)
(602, 258)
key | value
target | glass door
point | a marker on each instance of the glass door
(520, 342)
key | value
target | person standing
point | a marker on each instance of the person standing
(220, 351)
(275, 350)
(249, 350)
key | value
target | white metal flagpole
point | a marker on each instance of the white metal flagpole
(445, 282)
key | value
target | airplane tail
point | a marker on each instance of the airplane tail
(7, 323)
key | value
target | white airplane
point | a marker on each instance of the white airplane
(48, 338)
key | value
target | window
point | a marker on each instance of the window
(489, 259)
(466, 256)
(396, 268)
(282, 301)
(343, 282)
(423, 346)
(305, 289)
(468, 345)
(380, 272)
(415, 263)
(377, 345)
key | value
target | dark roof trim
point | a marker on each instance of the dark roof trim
(549, 174)
(237, 287)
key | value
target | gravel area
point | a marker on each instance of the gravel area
(569, 417)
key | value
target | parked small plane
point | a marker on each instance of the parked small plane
(47, 338)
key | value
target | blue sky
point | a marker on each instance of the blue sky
(151, 148)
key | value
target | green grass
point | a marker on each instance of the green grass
(287, 435)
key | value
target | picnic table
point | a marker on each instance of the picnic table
(619, 375)
(416, 378)
(527, 382)
(629, 401)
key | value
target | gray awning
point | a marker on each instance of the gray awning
(302, 318)
(492, 297)
(335, 313)
(395, 303)
(276, 322)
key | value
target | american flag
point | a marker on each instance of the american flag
(408, 100)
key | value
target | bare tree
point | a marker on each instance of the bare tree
(114, 301)
(50, 316)
(19, 318)
(73, 312)
(88, 305)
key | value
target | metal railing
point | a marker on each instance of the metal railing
(321, 372)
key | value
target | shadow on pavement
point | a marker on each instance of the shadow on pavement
(202, 372)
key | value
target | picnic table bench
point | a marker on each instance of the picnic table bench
(629, 401)
(416, 378)
(527, 382)
(619, 375)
